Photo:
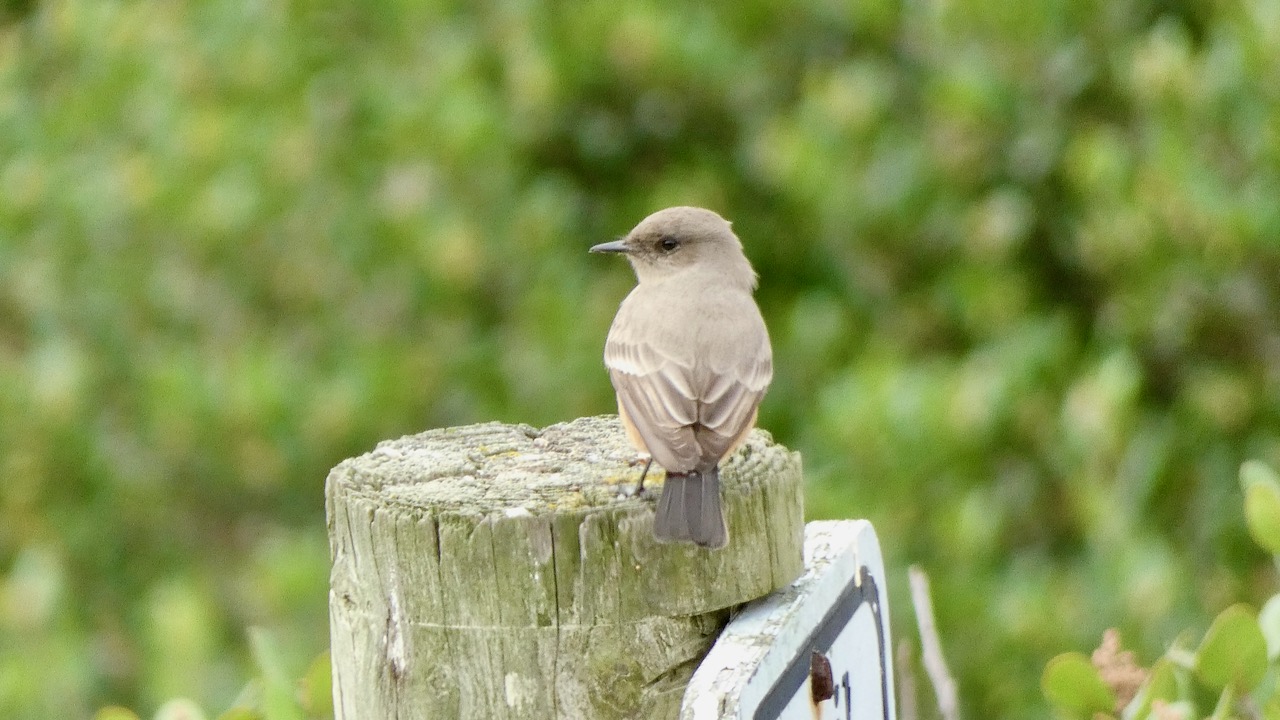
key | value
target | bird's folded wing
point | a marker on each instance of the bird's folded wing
(689, 415)
(655, 394)
(730, 398)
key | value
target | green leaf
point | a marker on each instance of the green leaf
(1161, 684)
(1269, 622)
(1234, 651)
(1262, 504)
(1222, 711)
(1271, 708)
(1072, 683)
(278, 702)
(317, 688)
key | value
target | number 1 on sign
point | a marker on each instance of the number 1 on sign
(848, 696)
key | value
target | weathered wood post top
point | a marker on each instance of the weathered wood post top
(504, 571)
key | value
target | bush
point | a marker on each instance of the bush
(1019, 261)
(1233, 670)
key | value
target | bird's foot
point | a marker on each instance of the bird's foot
(639, 489)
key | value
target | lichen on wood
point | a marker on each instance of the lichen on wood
(504, 571)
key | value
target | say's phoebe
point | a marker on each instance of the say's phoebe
(689, 357)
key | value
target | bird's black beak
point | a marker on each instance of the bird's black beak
(617, 246)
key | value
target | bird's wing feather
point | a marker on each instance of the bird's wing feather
(740, 370)
(655, 392)
(690, 403)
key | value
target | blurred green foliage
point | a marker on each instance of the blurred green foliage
(1020, 262)
(1234, 671)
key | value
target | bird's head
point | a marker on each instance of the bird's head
(678, 239)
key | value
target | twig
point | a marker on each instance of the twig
(904, 659)
(944, 686)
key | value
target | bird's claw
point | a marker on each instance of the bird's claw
(639, 492)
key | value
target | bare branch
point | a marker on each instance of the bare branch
(904, 660)
(944, 686)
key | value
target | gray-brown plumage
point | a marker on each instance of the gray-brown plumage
(690, 360)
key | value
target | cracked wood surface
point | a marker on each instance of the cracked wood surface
(495, 571)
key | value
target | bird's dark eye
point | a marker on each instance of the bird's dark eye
(668, 243)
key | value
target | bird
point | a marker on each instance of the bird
(689, 358)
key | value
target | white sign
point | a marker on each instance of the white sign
(816, 649)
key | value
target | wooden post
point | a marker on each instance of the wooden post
(500, 571)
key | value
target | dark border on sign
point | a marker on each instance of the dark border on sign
(821, 639)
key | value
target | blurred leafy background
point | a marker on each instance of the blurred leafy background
(1020, 262)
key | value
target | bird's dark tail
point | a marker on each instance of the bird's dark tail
(689, 509)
